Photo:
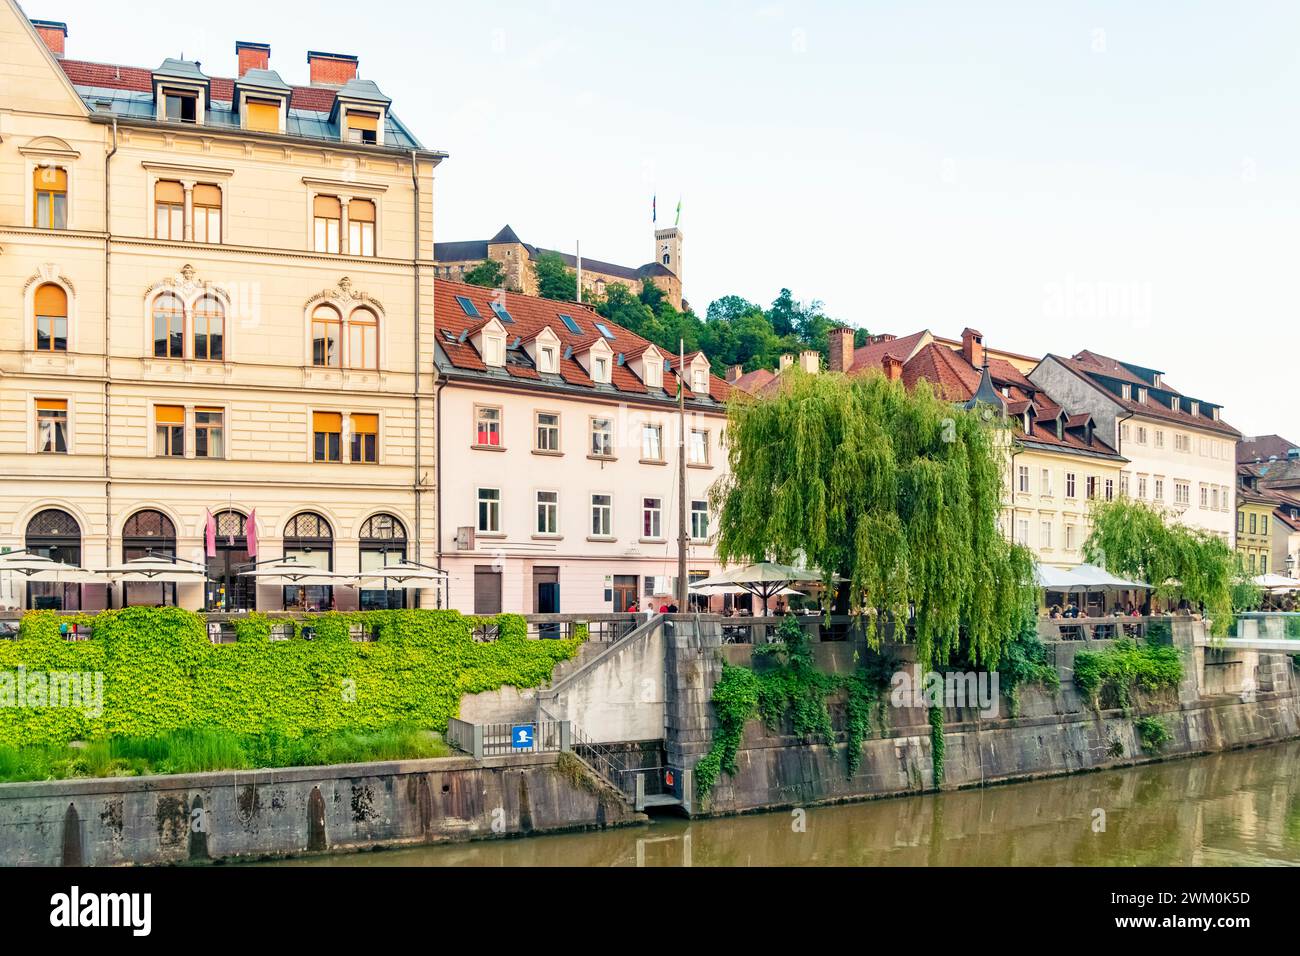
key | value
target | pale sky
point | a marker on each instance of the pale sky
(1117, 176)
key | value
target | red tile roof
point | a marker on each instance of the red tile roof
(530, 314)
(873, 354)
(139, 79)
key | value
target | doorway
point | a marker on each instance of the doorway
(624, 592)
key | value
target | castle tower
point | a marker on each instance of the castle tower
(668, 250)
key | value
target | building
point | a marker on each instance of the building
(517, 258)
(558, 437)
(1182, 454)
(1058, 464)
(1261, 448)
(1269, 492)
(217, 300)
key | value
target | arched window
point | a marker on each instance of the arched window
(51, 308)
(326, 337)
(169, 210)
(168, 327)
(309, 540)
(54, 534)
(383, 542)
(50, 197)
(228, 590)
(144, 533)
(209, 329)
(363, 339)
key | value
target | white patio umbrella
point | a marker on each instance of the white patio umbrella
(157, 569)
(1276, 582)
(405, 576)
(29, 564)
(290, 571)
(763, 579)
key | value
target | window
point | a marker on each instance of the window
(363, 127)
(1069, 485)
(1126, 391)
(1158, 490)
(169, 210)
(207, 213)
(604, 330)
(262, 116)
(654, 371)
(1182, 442)
(569, 324)
(602, 516)
(1214, 498)
(489, 510)
(652, 517)
(1253, 519)
(326, 337)
(1045, 534)
(502, 312)
(365, 438)
(1142, 434)
(1241, 521)
(652, 443)
(1123, 485)
(1160, 438)
(1123, 431)
(1182, 493)
(328, 217)
(1070, 534)
(51, 308)
(602, 437)
(1205, 496)
(699, 447)
(363, 340)
(168, 327)
(1045, 481)
(1023, 478)
(546, 361)
(699, 520)
(52, 426)
(700, 381)
(209, 330)
(494, 350)
(487, 426)
(600, 370)
(169, 435)
(361, 227)
(209, 433)
(1110, 489)
(180, 107)
(467, 306)
(1142, 486)
(327, 436)
(548, 512)
(1022, 531)
(50, 197)
(1092, 487)
(548, 431)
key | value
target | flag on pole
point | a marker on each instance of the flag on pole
(250, 535)
(679, 212)
(210, 536)
(654, 208)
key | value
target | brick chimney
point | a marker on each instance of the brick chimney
(252, 56)
(810, 361)
(972, 347)
(331, 69)
(786, 361)
(53, 33)
(841, 348)
(734, 372)
(893, 366)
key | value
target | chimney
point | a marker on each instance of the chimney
(734, 372)
(972, 347)
(893, 366)
(882, 337)
(252, 56)
(331, 69)
(810, 361)
(841, 348)
(53, 33)
(786, 361)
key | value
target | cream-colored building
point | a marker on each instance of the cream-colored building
(217, 299)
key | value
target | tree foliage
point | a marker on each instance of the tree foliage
(555, 280)
(895, 493)
(1134, 539)
(489, 273)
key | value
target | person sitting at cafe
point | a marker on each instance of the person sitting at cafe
(1055, 612)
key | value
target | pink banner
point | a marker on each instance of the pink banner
(210, 536)
(251, 534)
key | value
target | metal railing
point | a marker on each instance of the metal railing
(1097, 628)
(504, 739)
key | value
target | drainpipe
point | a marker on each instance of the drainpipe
(437, 410)
(415, 358)
(108, 362)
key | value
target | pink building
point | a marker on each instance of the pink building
(558, 439)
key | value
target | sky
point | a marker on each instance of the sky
(1117, 176)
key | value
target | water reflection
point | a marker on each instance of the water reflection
(1240, 808)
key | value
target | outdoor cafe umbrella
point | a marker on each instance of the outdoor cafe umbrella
(1276, 582)
(157, 569)
(764, 579)
(30, 565)
(290, 571)
(406, 575)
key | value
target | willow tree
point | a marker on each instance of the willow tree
(1134, 539)
(892, 494)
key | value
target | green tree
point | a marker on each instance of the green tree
(1134, 539)
(895, 493)
(555, 280)
(488, 273)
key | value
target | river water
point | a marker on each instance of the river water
(1240, 808)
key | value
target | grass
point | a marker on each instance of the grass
(201, 749)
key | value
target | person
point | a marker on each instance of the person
(780, 607)
(672, 608)
(631, 608)
(663, 608)
(1055, 613)
(728, 611)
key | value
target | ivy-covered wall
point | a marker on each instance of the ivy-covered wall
(162, 673)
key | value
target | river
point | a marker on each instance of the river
(1240, 808)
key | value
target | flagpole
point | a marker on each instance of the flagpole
(681, 476)
(578, 246)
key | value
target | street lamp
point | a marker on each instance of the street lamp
(1290, 565)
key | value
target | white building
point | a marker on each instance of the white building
(558, 446)
(1182, 455)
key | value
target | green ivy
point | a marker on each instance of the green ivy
(161, 672)
(1153, 733)
(937, 745)
(1024, 661)
(1111, 676)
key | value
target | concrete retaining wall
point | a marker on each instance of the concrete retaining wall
(195, 817)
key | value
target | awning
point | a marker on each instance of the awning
(1083, 577)
(1276, 582)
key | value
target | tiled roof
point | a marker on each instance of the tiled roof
(752, 381)
(464, 250)
(1264, 447)
(128, 90)
(873, 354)
(1093, 367)
(530, 314)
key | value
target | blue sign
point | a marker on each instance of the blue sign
(521, 736)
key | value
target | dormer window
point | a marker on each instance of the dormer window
(1196, 408)
(180, 106)
(1142, 395)
(546, 359)
(1173, 402)
(362, 127)
(1126, 391)
(600, 370)
(262, 115)
(494, 350)
(654, 373)
(700, 382)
